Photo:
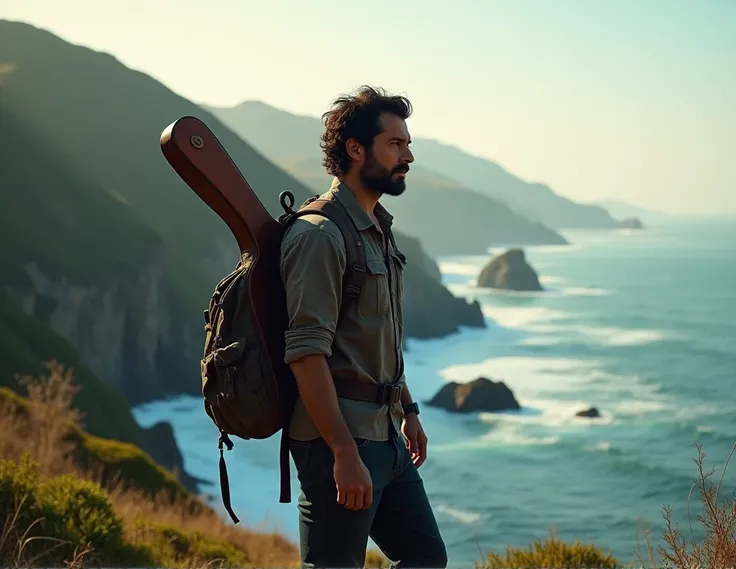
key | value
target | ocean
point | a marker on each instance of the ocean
(640, 324)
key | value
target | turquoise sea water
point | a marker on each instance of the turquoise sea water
(641, 325)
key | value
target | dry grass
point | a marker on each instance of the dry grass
(39, 434)
(716, 548)
(267, 549)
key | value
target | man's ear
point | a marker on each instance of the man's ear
(355, 150)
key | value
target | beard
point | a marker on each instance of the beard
(381, 180)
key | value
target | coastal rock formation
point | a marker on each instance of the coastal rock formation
(159, 441)
(509, 271)
(631, 223)
(430, 309)
(480, 395)
(592, 413)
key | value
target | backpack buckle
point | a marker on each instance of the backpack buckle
(390, 394)
(351, 289)
(229, 378)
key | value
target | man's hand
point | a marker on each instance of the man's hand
(416, 439)
(317, 389)
(353, 480)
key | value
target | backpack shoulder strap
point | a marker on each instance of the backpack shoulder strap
(353, 279)
(355, 270)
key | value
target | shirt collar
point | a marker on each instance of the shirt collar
(362, 220)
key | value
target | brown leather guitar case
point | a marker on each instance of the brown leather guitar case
(195, 153)
(199, 158)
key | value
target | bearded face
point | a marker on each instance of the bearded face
(382, 179)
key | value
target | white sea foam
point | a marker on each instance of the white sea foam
(526, 376)
(640, 407)
(554, 327)
(458, 268)
(601, 335)
(530, 250)
(551, 280)
(585, 291)
(469, 287)
(522, 316)
(514, 437)
(461, 516)
(611, 336)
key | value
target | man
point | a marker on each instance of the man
(356, 460)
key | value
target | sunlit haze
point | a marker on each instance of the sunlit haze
(630, 100)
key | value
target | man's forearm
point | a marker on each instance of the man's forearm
(317, 391)
(405, 395)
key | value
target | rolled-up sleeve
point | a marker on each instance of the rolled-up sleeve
(312, 266)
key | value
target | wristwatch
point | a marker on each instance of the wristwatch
(411, 408)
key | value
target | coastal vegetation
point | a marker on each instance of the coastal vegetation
(68, 498)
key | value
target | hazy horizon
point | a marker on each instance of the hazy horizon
(629, 101)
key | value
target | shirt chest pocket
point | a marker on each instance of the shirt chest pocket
(398, 267)
(375, 298)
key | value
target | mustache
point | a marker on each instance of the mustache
(403, 169)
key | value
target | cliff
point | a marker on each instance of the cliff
(26, 342)
(430, 311)
(82, 263)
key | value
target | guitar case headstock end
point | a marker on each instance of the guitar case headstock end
(195, 153)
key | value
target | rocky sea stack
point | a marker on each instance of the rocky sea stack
(479, 395)
(509, 271)
(631, 223)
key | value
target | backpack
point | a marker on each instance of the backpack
(248, 391)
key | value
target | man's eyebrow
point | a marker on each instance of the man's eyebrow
(400, 139)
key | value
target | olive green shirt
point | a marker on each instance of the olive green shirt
(367, 343)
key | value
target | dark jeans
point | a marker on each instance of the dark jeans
(400, 520)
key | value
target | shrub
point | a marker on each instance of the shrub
(718, 518)
(53, 521)
(169, 546)
(551, 553)
(115, 463)
(78, 511)
(18, 482)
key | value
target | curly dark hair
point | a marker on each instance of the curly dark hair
(357, 116)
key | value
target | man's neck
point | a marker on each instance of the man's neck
(367, 199)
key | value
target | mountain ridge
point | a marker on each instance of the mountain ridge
(447, 217)
(534, 201)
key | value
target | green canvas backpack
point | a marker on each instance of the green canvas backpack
(246, 395)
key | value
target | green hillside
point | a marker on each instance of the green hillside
(49, 215)
(108, 119)
(56, 218)
(470, 221)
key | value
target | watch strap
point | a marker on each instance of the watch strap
(411, 408)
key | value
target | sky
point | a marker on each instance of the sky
(632, 100)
